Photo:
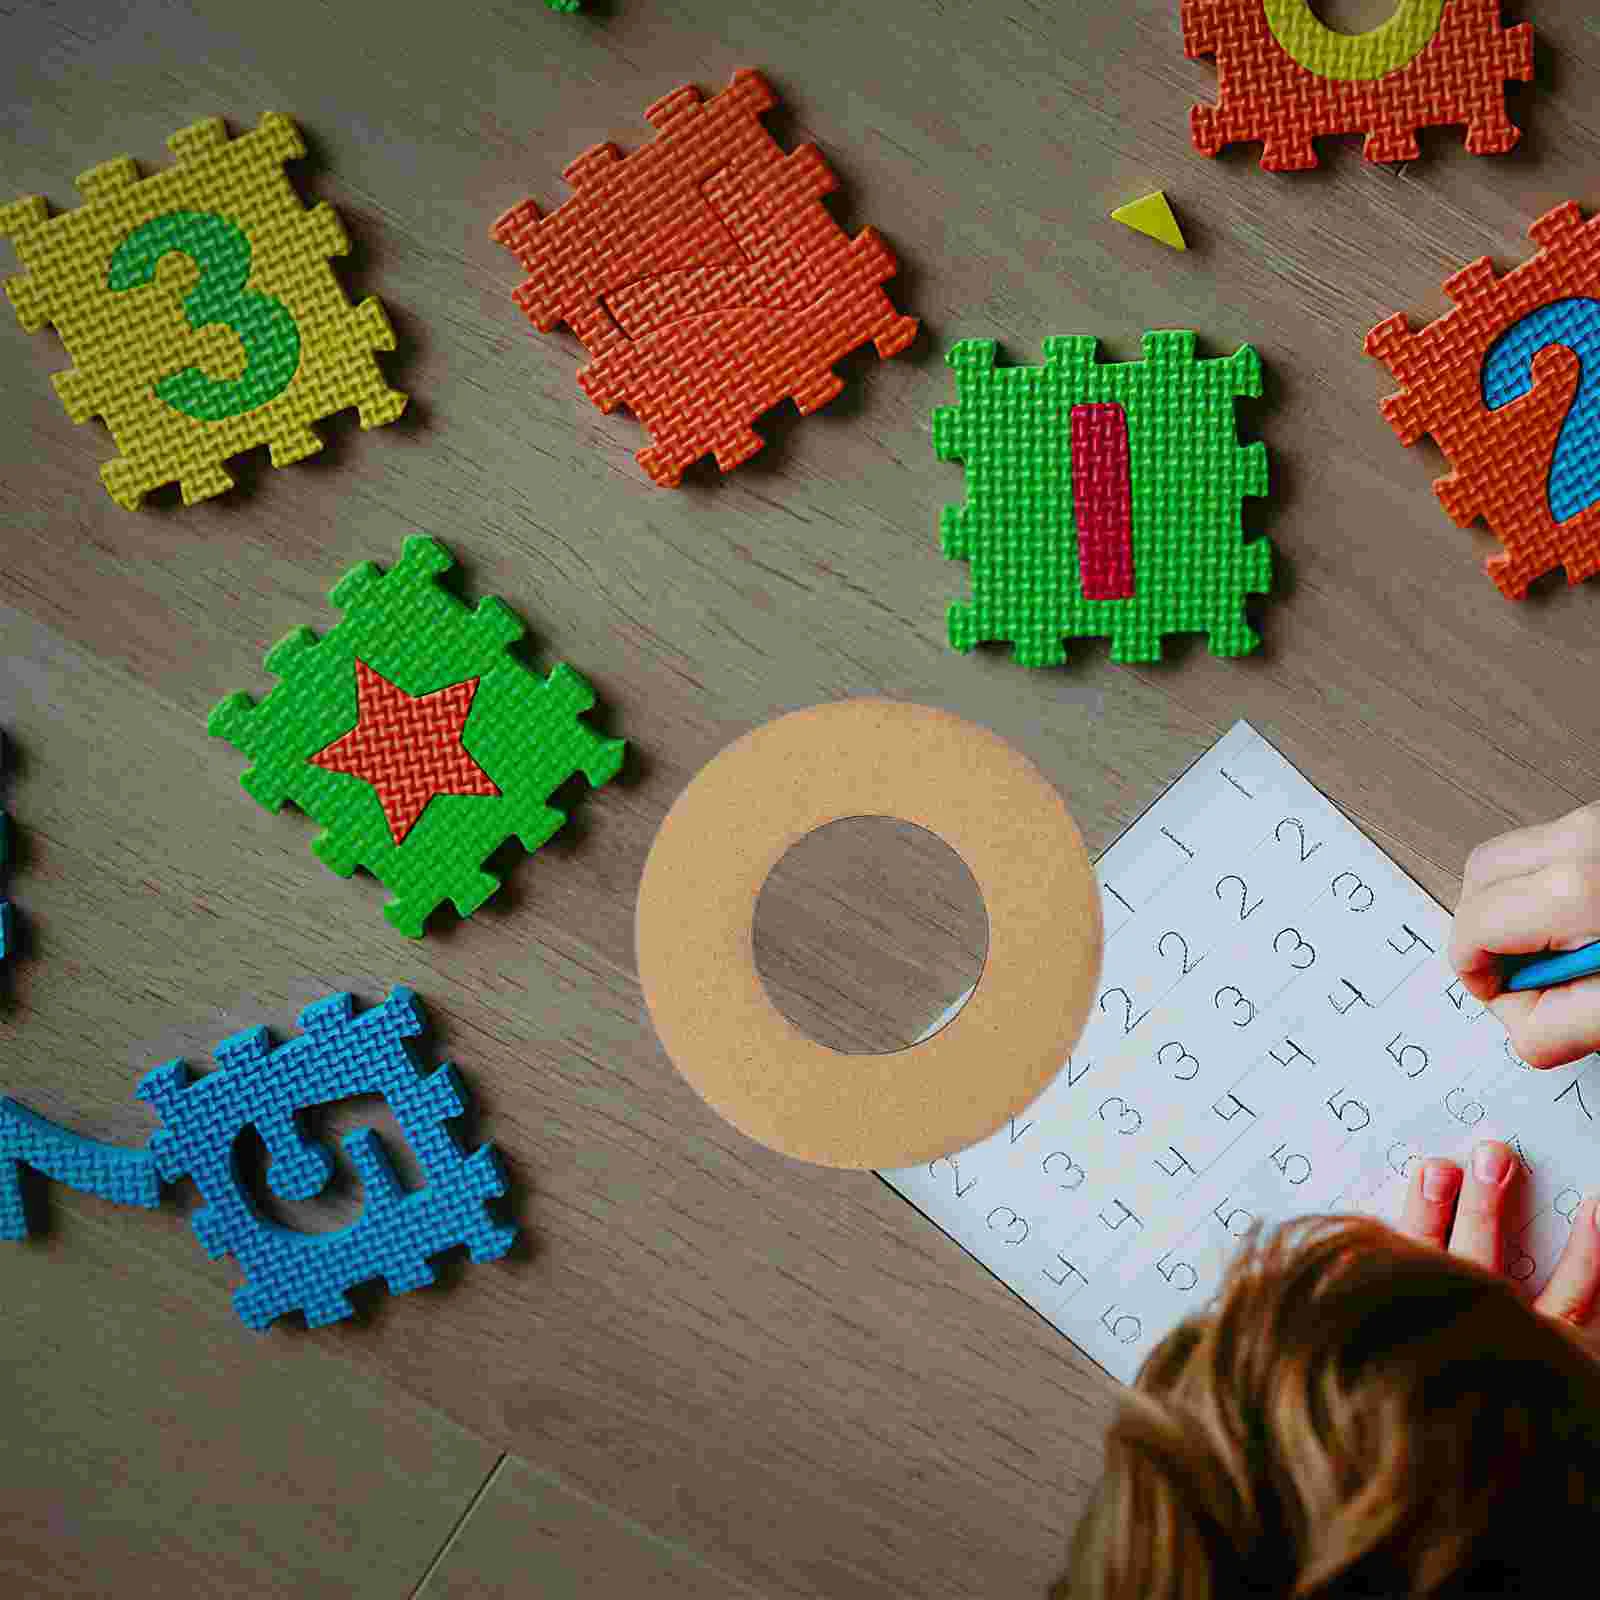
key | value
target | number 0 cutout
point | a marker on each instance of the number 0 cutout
(263, 324)
(696, 911)
(1354, 57)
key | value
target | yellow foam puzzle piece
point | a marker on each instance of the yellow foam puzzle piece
(1152, 215)
(201, 310)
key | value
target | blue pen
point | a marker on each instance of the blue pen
(1547, 971)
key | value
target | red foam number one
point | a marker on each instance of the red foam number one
(1102, 501)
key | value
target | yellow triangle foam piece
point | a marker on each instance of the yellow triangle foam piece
(1152, 215)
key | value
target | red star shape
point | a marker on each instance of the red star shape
(408, 747)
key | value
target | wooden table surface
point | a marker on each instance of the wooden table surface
(711, 1370)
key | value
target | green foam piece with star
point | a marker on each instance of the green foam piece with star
(1186, 476)
(415, 737)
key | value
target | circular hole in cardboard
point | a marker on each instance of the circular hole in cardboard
(869, 934)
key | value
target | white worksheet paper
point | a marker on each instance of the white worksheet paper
(1277, 1033)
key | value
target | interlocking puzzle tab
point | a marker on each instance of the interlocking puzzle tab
(201, 310)
(415, 737)
(1508, 385)
(125, 1177)
(337, 1056)
(705, 277)
(1284, 78)
(1104, 499)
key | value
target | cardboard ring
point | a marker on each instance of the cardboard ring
(695, 921)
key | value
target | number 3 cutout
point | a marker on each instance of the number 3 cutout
(221, 250)
(1508, 376)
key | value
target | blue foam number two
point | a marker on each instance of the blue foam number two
(1508, 376)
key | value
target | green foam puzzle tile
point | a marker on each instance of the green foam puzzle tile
(1028, 529)
(414, 737)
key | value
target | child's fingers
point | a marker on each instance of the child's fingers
(1550, 1027)
(1477, 1235)
(1574, 1286)
(1431, 1202)
(1556, 907)
(1569, 838)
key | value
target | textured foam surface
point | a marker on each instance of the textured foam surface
(1026, 534)
(1508, 385)
(404, 780)
(200, 309)
(256, 1086)
(127, 1177)
(1283, 78)
(705, 277)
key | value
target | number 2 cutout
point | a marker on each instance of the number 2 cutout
(269, 334)
(1508, 376)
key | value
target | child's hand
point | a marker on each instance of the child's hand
(1465, 1214)
(1524, 893)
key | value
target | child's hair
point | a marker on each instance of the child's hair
(1355, 1414)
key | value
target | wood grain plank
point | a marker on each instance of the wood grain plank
(699, 1330)
(530, 1533)
(153, 1445)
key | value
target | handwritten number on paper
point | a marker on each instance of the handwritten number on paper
(1183, 958)
(1457, 996)
(1012, 1220)
(1356, 998)
(1238, 1107)
(1128, 1215)
(1168, 834)
(1246, 907)
(1176, 1062)
(950, 1161)
(1075, 1074)
(1467, 1112)
(1072, 1174)
(1575, 1088)
(1016, 1132)
(1067, 1271)
(1411, 1059)
(1238, 1003)
(1283, 1162)
(1415, 939)
(1403, 1170)
(1125, 1328)
(1124, 1116)
(1349, 1103)
(1353, 895)
(1237, 1215)
(1293, 952)
(1175, 1273)
(1306, 850)
(1129, 1021)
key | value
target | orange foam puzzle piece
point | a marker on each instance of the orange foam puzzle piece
(1267, 92)
(705, 277)
(1512, 460)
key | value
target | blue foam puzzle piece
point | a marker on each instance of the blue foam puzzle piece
(338, 1055)
(127, 1177)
